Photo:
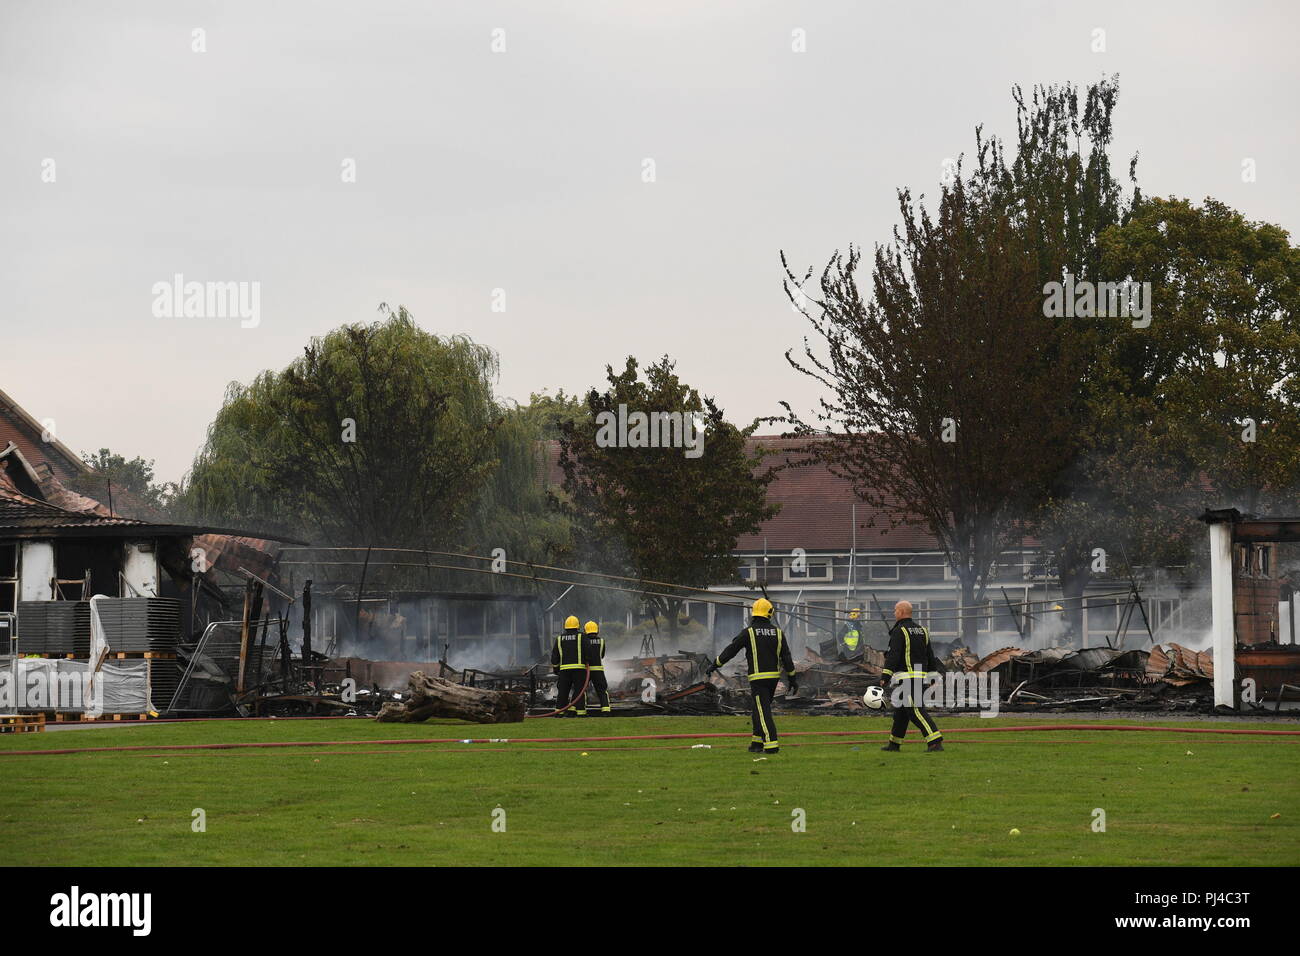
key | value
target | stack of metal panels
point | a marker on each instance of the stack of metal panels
(54, 627)
(140, 624)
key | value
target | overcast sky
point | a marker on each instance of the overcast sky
(523, 171)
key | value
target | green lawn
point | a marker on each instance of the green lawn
(650, 802)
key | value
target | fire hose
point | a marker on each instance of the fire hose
(277, 744)
(580, 695)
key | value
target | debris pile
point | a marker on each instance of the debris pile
(1171, 677)
(1180, 666)
(675, 684)
(835, 684)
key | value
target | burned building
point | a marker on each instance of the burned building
(73, 567)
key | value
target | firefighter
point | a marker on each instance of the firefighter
(566, 661)
(593, 656)
(767, 654)
(910, 657)
(851, 637)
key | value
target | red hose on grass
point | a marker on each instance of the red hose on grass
(258, 745)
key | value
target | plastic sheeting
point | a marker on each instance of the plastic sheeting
(31, 683)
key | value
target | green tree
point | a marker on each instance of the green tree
(659, 513)
(129, 485)
(1227, 306)
(548, 413)
(379, 434)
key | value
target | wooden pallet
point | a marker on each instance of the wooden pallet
(106, 718)
(78, 717)
(21, 723)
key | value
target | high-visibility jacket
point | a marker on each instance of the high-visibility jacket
(766, 650)
(593, 651)
(567, 652)
(850, 637)
(910, 653)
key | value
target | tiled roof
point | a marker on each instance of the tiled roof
(21, 428)
(816, 507)
(20, 511)
(817, 510)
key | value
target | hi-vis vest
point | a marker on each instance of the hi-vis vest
(567, 652)
(593, 651)
(765, 647)
(851, 639)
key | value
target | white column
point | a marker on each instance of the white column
(140, 569)
(37, 569)
(1222, 632)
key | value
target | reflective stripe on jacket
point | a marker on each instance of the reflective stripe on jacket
(566, 655)
(766, 651)
(910, 653)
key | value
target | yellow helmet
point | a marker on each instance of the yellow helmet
(592, 627)
(853, 615)
(571, 623)
(762, 608)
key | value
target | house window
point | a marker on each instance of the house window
(883, 569)
(1165, 612)
(941, 617)
(500, 618)
(471, 621)
(812, 569)
(1008, 618)
(1039, 566)
(746, 570)
(1103, 616)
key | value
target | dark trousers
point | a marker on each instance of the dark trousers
(601, 687)
(916, 715)
(762, 691)
(567, 687)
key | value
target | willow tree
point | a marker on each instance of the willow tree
(379, 434)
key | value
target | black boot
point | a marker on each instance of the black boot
(891, 747)
(756, 748)
(935, 747)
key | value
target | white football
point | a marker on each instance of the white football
(874, 698)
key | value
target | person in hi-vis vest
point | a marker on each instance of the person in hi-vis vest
(851, 637)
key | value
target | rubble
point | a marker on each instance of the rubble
(1171, 677)
(1180, 666)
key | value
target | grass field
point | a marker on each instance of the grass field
(1169, 799)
